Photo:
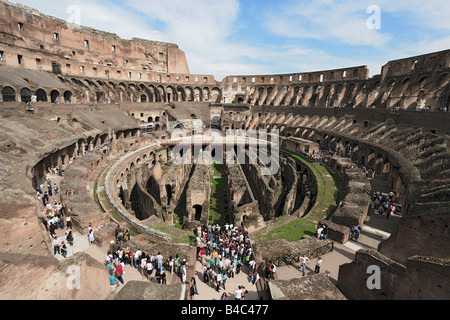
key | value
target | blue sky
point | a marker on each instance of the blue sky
(246, 37)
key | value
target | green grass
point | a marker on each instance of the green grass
(217, 209)
(97, 201)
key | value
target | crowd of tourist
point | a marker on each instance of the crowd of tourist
(223, 250)
(384, 204)
(149, 264)
(54, 215)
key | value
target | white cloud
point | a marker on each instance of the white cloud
(432, 14)
(326, 20)
(101, 15)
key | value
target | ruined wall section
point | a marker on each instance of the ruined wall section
(266, 188)
(198, 194)
(40, 36)
(241, 200)
(416, 82)
(419, 278)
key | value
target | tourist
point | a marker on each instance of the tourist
(224, 296)
(143, 266)
(238, 293)
(163, 278)
(63, 249)
(159, 259)
(218, 281)
(183, 271)
(177, 263)
(91, 237)
(303, 261)
(224, 279)
(56, 246)
(205, 273)
(255, 278)
(126, 236)
(243, 292)
(356, 232)
(113, 282)
(171, 264)
(325, 231)
(119, 270)
(270, 270)
(69, 238)
(191, 291)
(195, 284)
(327, 274)
(318, 265)
(319, 233)
(137, 258)
(149, 268)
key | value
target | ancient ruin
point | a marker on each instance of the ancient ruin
(131, 125)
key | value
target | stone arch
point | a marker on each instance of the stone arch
(41, 95)
(206, 94)
(54, 95)
(181, 94)
(189, 94)
(25, 95)
(216, 95)
(162, 93)
(197, 94)
(67, 96)
(171, 94)
(154, 95)
(9, 94)
(371, 157)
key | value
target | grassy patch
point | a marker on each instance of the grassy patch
(217, 209)
(97, 201)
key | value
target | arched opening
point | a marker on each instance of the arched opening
(198, 211)
(25, 95)
(67, 96)
(169, 193)
(99, 96)
(41, 95)
(9, 94)
(54, 95)
(143, 98)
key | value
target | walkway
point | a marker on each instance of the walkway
(374, 230)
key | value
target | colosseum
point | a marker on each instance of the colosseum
(119, 138)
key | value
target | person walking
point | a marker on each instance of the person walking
(183, 271)
(191, 291)
(356, 232)
(113, 282)
(91, 237)
(56, 246)
(69, 222)
(224, 279)
(303, 261)
(63, 249)
(159, 259)
(119, 271)
(238, 293)
(69, 238)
